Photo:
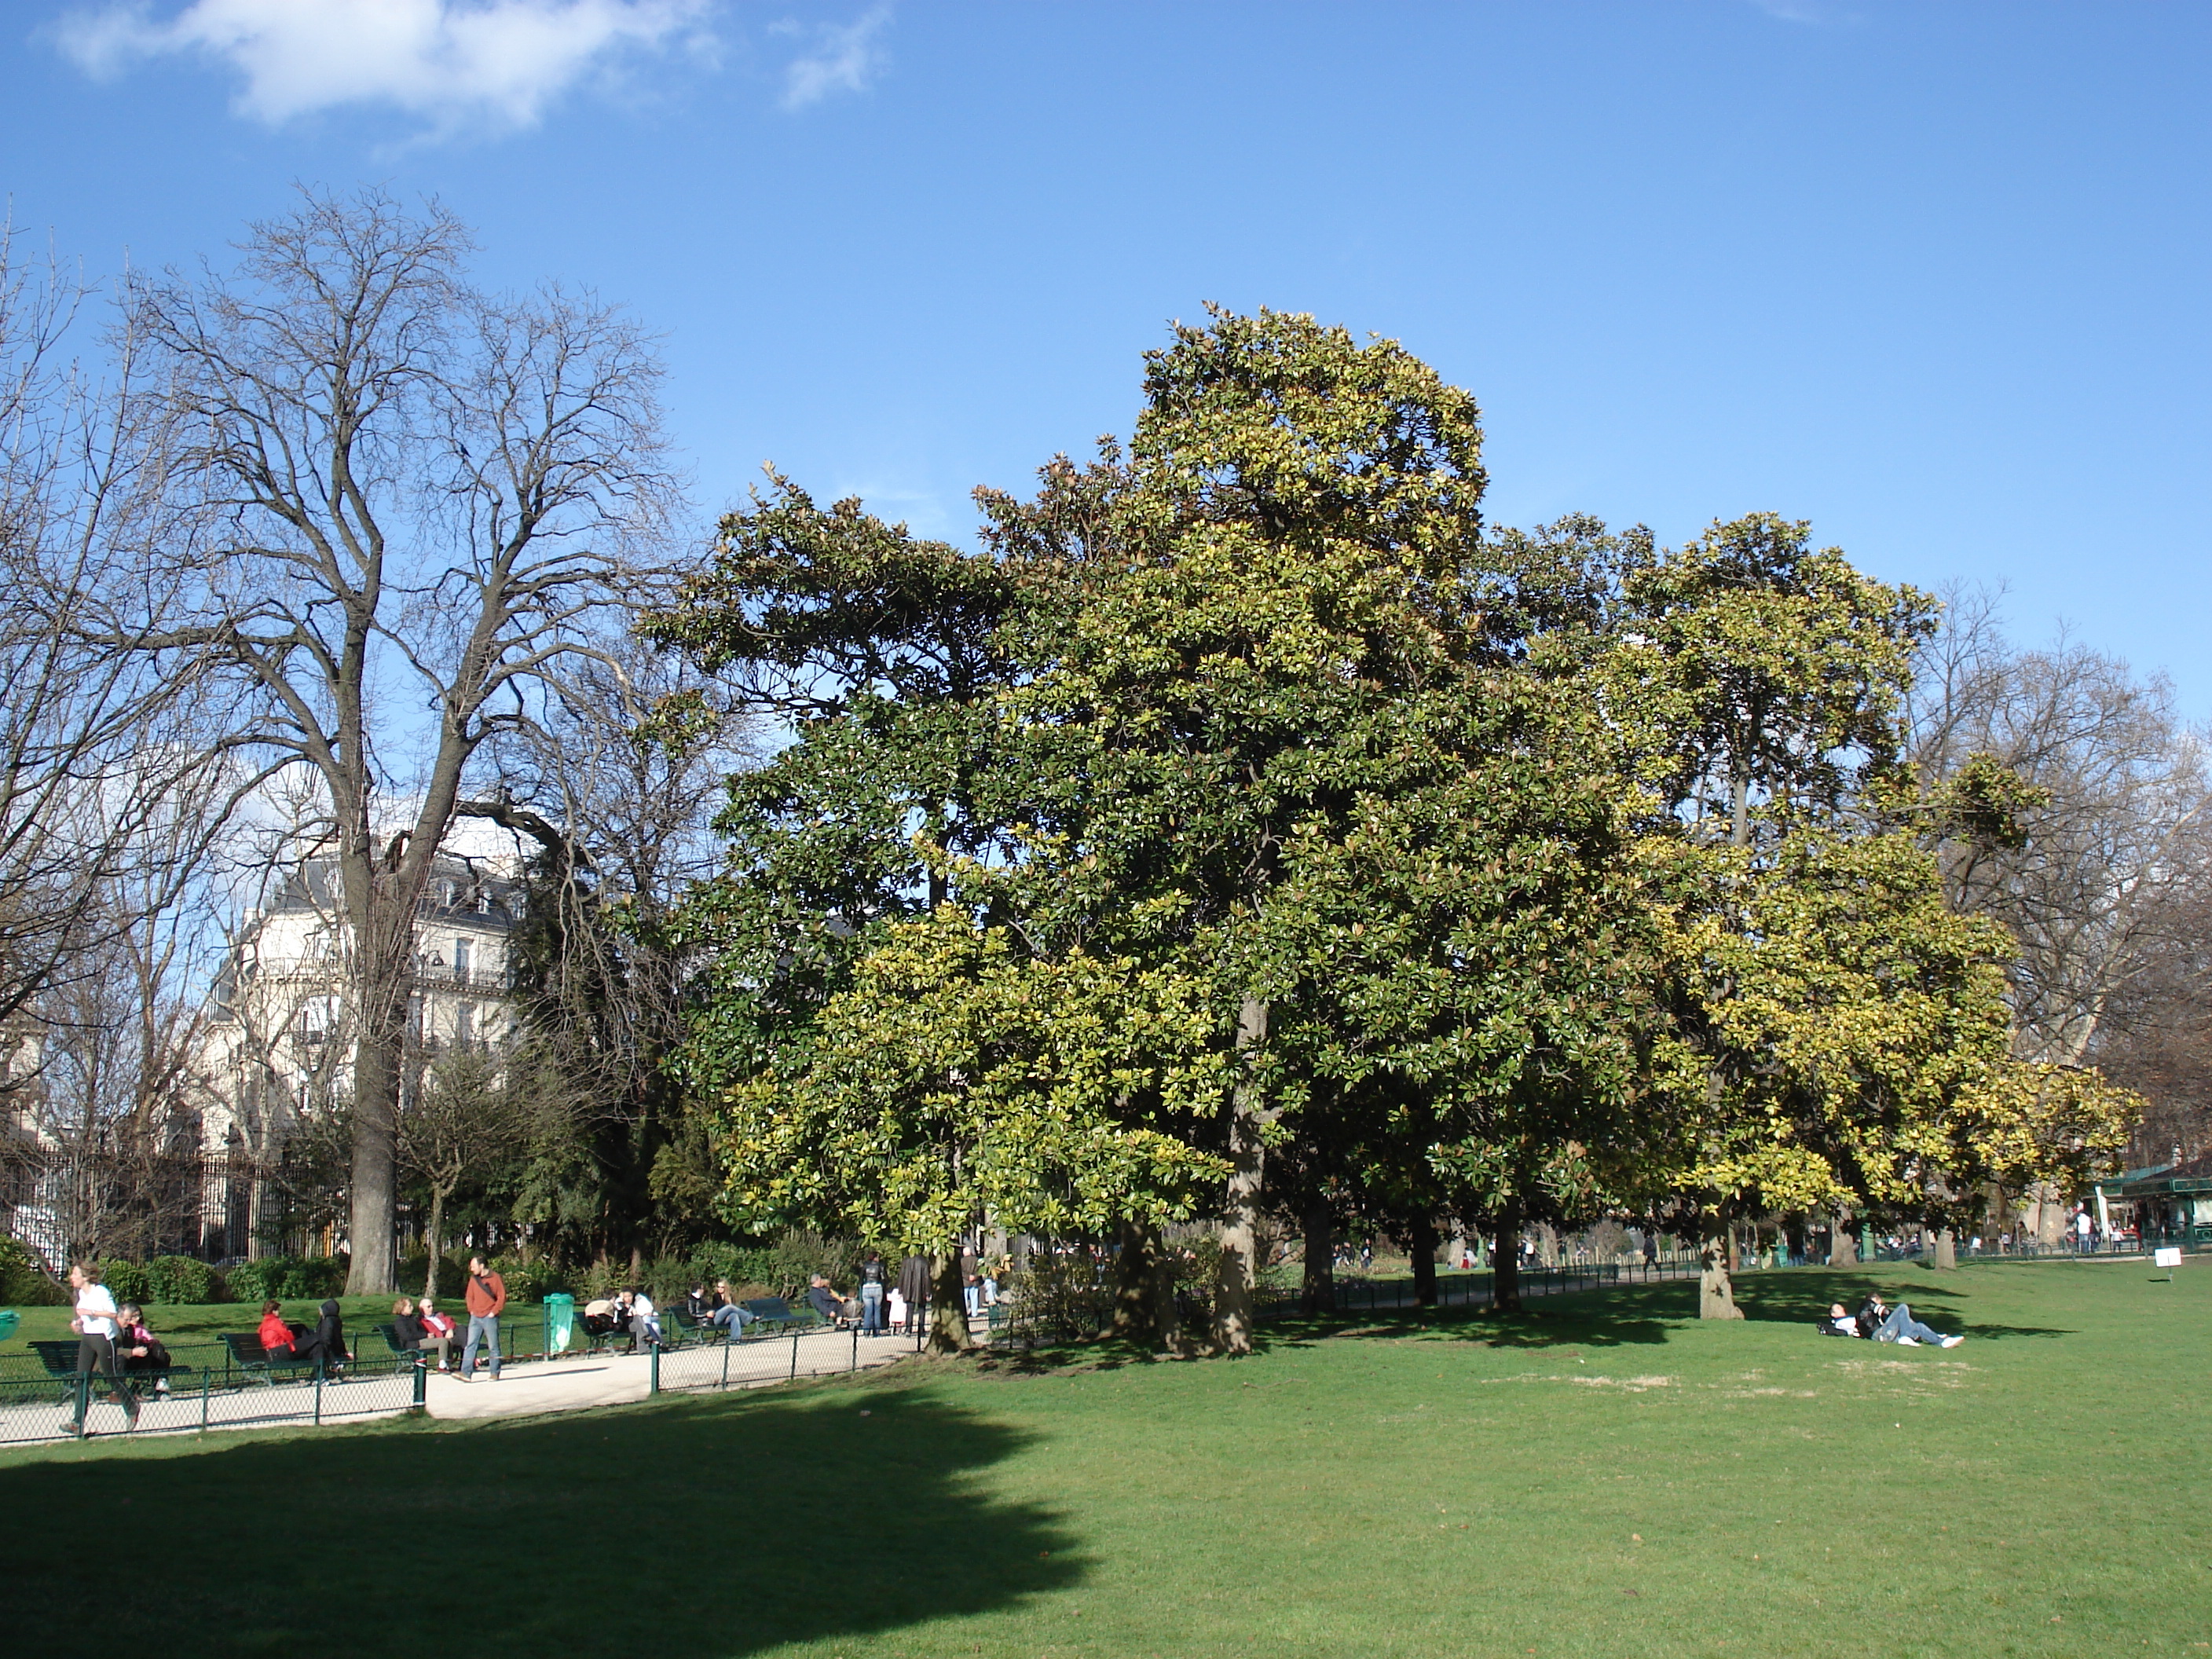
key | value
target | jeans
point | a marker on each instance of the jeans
(485, 1326)
(871, 1310)
(1901, 1322)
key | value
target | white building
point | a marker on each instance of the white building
(279, 1038)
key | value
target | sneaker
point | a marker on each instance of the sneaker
(1953, 1341)
(1908, 1341)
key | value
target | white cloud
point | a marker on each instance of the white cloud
(844, 57)
(449, 61)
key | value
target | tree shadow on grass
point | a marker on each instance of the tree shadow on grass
(710, 1526)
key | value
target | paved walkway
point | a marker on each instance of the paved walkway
(577, 1382)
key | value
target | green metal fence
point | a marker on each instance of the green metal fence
(204, 1389)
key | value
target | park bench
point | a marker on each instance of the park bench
(59, 1358)
(254, 1364)
(774, 1313)
(403, 1357)
(678, 1327)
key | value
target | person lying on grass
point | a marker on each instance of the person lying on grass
(1885, 1324)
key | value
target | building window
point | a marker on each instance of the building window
(461, 958)
(465, 1020)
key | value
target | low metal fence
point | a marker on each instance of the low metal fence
(204, 1389)
(781, 1357)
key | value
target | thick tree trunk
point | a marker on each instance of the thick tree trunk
(1716, 1294)
(1505, 1261)
(948, 1304)
(1240, 1205)
(1136, 1314)
(1425, 1261)
(1946, 1249)
(2051, 1216)
(1318, 1292)
(375, 1164)
(1842, 1242)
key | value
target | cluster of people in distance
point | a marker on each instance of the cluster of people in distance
(1878, 1321)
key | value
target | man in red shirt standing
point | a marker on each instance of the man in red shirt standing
(487, 1295)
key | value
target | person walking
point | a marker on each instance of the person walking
(875, 1280)
(95, 1327)
(2085, 1230)
(487, 1295)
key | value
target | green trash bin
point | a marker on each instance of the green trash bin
(560, 1321)
(8, 1320)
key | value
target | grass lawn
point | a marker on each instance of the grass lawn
(1605, 1476)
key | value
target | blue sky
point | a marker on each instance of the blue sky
(1932, 276)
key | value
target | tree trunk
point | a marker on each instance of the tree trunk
(1505, 1261)
(1716, 1294)
(1946, 1249)
(375, 1163)
(1318, 1292)
(1135, 1307)
(2050, 1215)
(1240, 1207)
(1425, 1261)
(948, 1304)
(437, 1232)
(1842, 1242)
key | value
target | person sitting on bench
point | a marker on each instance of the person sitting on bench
(727, 1313)
(437, 1325)
(644, 1321)
(414, 1336)
(819, 1297)
(139, 1349)
(278, 1340)
(326, 1344)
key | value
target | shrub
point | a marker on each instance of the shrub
(525, 1281)
(24, 1280)
(181, 1279)
(127, 1281)
(288, 1277)
(415, 1272)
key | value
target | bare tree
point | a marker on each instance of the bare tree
(410, 501)
(2115, 867)
(618, 787)
(85, 782)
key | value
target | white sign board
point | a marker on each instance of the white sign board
(2166, 1258)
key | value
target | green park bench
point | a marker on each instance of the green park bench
(59, 1358)
(774, 1313)
(255, 1365)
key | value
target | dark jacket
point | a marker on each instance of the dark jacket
(914, 1280)
(872, 1271)
(823, 1302)
(1869, 1316)
(409, 1328)
(326, 1342)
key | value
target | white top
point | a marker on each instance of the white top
(643, 1304)
(95, 1311)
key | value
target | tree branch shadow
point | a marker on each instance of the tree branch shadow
(721, 1525)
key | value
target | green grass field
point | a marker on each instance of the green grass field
(1605, 1476)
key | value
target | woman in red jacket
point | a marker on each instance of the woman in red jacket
(276, 1337)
